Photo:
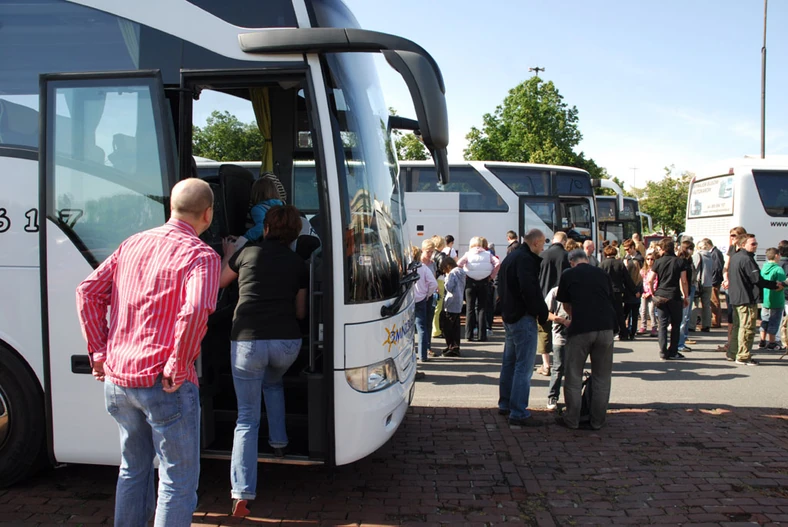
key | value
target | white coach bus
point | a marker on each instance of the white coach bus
(489, 198)
(98, 99)
(748, 191)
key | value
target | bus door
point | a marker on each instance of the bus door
(105, 173)
(538, 213)
(282, 107)
(576, 218)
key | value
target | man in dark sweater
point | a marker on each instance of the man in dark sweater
(745, 283)
(511, 239)
(587, 296)
(554, 262)
(522, 307)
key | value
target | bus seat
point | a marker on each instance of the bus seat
(305, 245)
(235, 183)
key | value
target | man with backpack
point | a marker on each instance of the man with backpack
(587, 296)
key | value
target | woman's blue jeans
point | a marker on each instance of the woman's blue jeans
(258, 365)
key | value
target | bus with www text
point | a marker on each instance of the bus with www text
(749, 192)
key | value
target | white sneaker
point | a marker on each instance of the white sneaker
(552, 403)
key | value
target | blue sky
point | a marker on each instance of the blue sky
(655, 82)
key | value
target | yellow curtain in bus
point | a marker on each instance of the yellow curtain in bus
(262, 111)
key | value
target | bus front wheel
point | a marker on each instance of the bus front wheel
(22, 426)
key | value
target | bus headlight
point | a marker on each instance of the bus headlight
(372, 378)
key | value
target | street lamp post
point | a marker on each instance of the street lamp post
(763, 84)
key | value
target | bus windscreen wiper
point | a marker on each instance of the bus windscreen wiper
(410, 278)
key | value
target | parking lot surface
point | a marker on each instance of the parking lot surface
(665, 462)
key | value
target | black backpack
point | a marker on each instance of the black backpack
(586, 387)
(719, 265)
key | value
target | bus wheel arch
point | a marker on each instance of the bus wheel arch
(22, 419)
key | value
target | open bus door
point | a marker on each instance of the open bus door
(106, 168)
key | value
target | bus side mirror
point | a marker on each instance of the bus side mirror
(427, 91)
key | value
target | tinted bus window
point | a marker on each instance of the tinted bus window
(573, 184)
(773, 189)
(523, 181)
(606, 210)
(476, 194)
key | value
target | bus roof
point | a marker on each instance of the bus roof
(498, 164)
(739, 165)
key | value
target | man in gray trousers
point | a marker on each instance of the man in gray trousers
(587, 295)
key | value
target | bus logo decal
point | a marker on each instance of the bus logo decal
(396, 334)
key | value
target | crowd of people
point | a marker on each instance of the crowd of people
(567, 303)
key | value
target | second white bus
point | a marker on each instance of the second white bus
(489, 198)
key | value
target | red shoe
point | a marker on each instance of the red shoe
(239, 508)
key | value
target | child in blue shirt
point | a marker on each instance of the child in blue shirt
(452, 305)
(265, 195)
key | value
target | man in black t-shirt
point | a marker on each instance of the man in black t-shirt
(671, 296)
(587, 296)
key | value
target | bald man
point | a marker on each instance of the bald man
(159, 286)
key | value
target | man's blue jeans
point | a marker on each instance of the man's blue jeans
(154, 423)
(519, 353)
(258, 365)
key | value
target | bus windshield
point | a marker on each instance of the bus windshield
(773, 189)
(371, 198)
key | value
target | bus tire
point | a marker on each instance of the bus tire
(22, 420)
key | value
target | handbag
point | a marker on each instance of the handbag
(660, 301)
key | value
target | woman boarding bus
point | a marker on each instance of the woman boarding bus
(112, 143)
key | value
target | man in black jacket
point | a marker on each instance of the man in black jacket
(744, 285)
(522, 307)
(554, 262)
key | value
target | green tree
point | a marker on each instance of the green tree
(409, 146)
(225, 138)
(666, 200)
(533, 125)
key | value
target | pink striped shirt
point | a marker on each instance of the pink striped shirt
(160, 286)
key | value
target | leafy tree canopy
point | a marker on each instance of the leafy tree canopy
(666, 200)
(225, 138)
(533, 125)
(409, 146)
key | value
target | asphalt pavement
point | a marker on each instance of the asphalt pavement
(640, 378)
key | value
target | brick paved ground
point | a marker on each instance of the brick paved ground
(449, 466)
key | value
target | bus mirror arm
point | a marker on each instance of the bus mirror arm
(417, 68)
(606, 183)
(648, 217)
(403, 123)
